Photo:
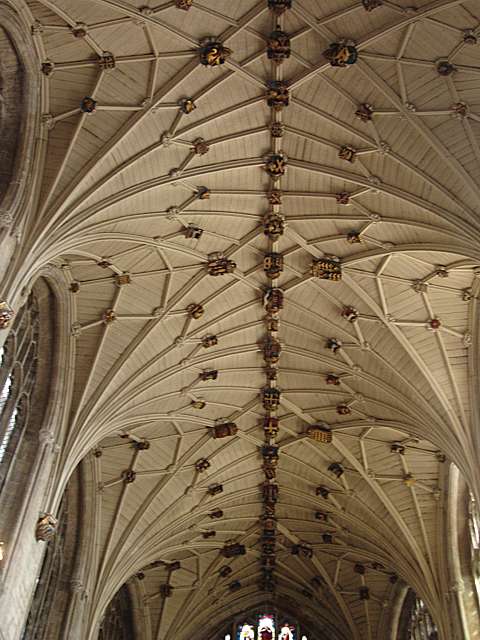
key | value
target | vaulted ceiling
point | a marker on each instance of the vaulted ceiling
(120, 187)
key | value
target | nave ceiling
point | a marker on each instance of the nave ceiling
(122, 186)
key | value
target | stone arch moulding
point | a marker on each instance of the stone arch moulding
(48, 436)
(19, 110)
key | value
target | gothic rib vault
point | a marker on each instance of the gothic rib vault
(120, 187)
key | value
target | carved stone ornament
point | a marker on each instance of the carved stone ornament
(353, 237)
(364, 112)
(193, 232)
(109, 316)
(106, 61)
(460, 110)
(322, 491)
(270, 492)
(47, 68)
(219, 265)
(334, 344)
(270, 426)
(370, 5)
(275, 197)
(302, 550)
(397, 448)
(469, 37)
(184, 4)
(409, 480)
(141, 445)
(272, 323)
(331, 378)
(198, 404)
(347, 153)
(278, 95)
(76, 329)
(441, 271)
(215, 515)
(279, 6)
(350, 313)
(225, 571)
(233, 550)
(215, 489)
(166, 590)
(444, 68)
(46, 528)
(343, 410)
(277, 129)
(270, 454)
(195, 311)
(203, 193)
(122, 279)
(201, 146)
(271, 374)
(273, 300)
(337, 469)
(209, 341)
(210, 374)
(6, 314)
(327, 268)
(271, 398)
(341, 53)
(342, 198)
(278, 46)
(273, 225)
(128, 476)
(273, 265)
(187, 105)
(271, 350)
(364, 593)
(88, 105)
(320, 433)
(80, 30)
(224, 430)
(214, 53)
(276, 165)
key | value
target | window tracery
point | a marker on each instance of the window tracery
(18, 366)
(474, 527)
(267, 626)
(417, 623)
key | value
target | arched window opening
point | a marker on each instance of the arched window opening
(117, 623)
(474, 527)
(48, 582)
(19, 360)
(268, 625)
(25, 393)
(416, 623)
(54, 585)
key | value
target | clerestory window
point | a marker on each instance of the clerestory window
(18, 371)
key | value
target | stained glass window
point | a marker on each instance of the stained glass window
(18, 367)
(287, 632)
(266, 627)
(269, 626)
(245, 632)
